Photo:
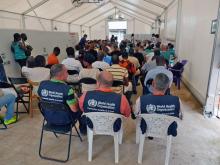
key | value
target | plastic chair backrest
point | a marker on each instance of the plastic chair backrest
(87, 80)
(103, 122)
(184, 62)
(158, 124)
(55, 113)
(117, 83)
(73, 72)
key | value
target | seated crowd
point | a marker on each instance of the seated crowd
(105, 62)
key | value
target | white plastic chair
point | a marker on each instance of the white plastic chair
(103, 125)
(157, 126)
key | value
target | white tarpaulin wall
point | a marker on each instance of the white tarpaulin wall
(62, 15)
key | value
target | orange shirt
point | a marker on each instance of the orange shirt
(52, 59)
(125, 108)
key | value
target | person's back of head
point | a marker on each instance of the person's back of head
(85, 35)
(17, 37)
(157, 36)
(59, 72)
(56, 51)
(77, 47)
(100, 56)
(156, 52)
(125, 55)
(158, 45)
(88, 59)
(115, 59)
(70, 52)
(40, 61)
(105, 79)
(161, 82)
(24, 36)
(31, 62)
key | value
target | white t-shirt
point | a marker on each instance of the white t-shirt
(72, 64)
(36, 74)
(91, 73)
(100, 64)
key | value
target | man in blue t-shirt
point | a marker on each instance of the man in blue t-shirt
(57, 91)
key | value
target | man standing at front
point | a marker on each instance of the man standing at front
(57, 91)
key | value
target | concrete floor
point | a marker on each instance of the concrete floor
(197, 143)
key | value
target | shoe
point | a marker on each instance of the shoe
(10, 121)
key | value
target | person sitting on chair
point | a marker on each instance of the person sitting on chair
(57, 91)
(104, 94)
(8, 100)
(160, 103)
(153, 72)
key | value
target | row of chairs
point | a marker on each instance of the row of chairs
(101, 123)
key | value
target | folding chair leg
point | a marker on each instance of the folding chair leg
(78, 133)
(55, 135)
(90, 141)
(17, 111)
(169, 140)
(116, 143)
(141, 148)
(53, 159)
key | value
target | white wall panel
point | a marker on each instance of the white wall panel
(141, 28)
(196, 43)
(98, 31)
(171, 21)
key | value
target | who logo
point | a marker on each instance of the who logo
(92, 103)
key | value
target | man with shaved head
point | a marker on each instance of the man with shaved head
(103, 99)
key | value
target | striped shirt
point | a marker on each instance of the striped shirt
(119, 73)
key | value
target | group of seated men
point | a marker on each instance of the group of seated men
(56, 90)
(105, 62)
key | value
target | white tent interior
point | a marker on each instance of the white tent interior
(67, 16)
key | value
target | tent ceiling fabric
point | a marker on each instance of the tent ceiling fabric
(63, 10)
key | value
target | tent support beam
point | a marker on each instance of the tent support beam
(35, 6)
(115, 3)
(134, 17)
(87, 13)
(139, 7)
(97, 16)
(167, 8)
(156, 3)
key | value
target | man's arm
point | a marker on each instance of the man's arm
(137, 106)
(81, 101)
(72, 101)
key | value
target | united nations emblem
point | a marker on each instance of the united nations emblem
(151, 108)
(92, 103)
